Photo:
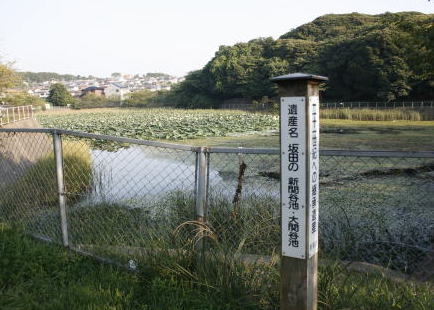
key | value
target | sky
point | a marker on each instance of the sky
(99, 37)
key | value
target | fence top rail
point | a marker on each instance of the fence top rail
(406, 154)
(102, 137)
(276, 151)
(230, 150)
(14, 107)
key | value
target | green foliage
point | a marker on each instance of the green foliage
(8, 77)
(36, 190)
(43, 276)
(141, 98)
(366, 57)
(371, 67)
(331, 25)
(266, 104)
(22, 99)
(375, 115)
(157, 75)
(90, 101)
(172, 124)
(39, 77)
(193, 92)
(59, 95)
(39, 276)
(94, 101)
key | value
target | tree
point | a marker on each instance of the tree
(367, 57)
(91, 101)
(116, 75)
(59, 95)
(39, 77)
(8, 77)
(141, 98)
(22, 99)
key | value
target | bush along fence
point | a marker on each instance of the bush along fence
(129, 201)
(14, 114)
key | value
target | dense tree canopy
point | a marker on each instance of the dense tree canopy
(366, 57)
(59, 95)
(8, 77)
(39, 77)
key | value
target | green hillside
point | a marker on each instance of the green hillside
(39, 77)
(367, 57)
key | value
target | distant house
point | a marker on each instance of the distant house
(98, 91)
(116, 90)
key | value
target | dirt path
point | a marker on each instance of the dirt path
(28, 123)
(18, 151)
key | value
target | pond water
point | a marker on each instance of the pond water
(139, 175)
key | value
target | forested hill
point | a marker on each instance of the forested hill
(39, 77)
(367, 57)
(345, 26)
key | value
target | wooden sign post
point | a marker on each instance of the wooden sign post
(299, 145)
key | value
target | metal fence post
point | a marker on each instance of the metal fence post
(201, 188)
(58, 155)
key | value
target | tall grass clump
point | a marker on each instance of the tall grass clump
(35, 192)
(372, 115)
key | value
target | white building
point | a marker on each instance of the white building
(116, 90)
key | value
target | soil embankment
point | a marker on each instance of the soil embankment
(18, 151)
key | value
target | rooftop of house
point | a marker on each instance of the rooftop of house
(92, 88)
(118, 85)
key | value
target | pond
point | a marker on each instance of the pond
(139, 175)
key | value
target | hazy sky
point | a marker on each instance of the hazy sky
(99, 37)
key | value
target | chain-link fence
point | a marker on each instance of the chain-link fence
(123, 198)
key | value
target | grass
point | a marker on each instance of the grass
(378, 115)
(36, 191)
(35, 275)
(40, 276)
(366, 230)
(346, 135)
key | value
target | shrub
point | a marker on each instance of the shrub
(140, 99)
(90, 101)
(22, 99)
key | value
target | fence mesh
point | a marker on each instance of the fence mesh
(126, 200)
(28, 187)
